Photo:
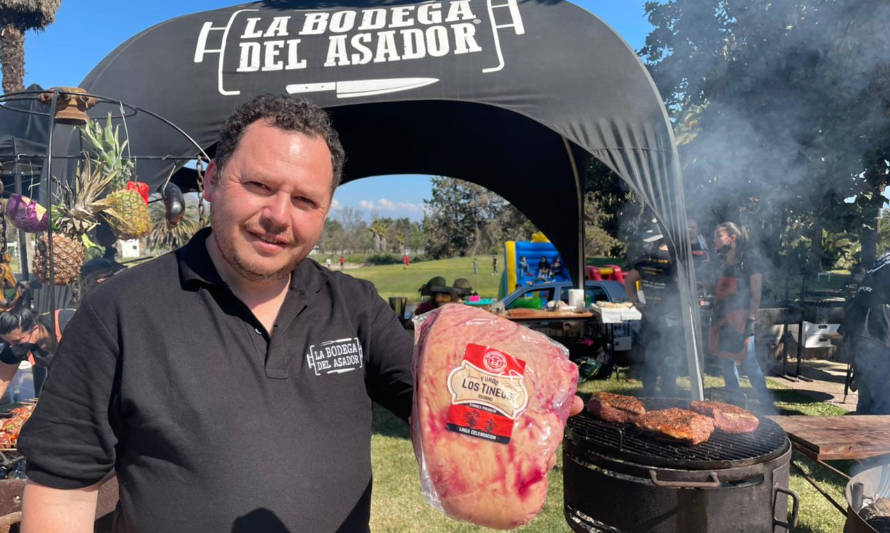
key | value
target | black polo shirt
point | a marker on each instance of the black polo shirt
(211, 424)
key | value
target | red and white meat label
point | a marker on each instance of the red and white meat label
(490, 406)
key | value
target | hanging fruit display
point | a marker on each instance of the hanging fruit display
(26, 214)
(73, 217)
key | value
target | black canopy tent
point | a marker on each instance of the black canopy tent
(512, 95)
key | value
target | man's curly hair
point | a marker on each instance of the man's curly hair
(285, 112)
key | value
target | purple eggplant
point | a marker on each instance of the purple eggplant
(174, 204)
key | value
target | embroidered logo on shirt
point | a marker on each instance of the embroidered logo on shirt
(335, 357)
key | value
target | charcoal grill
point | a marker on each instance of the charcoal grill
(619, 479)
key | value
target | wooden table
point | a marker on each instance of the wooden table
(828, 438)
(521, 314)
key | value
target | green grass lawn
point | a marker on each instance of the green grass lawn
(398, 506)
(398, 280)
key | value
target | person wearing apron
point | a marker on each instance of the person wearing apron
(736, 301)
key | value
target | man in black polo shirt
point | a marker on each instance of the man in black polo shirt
(227, 384)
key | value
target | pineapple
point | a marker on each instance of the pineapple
(108, 150)
(68, 257)
(127, 214)
(71, 219)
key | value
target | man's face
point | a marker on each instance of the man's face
(270, 201)
(18, 336)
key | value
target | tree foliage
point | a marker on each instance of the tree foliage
(467, 219)
(780, 110)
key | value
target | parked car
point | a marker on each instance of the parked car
(594, 291)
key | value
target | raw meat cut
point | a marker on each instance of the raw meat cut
(677, 424)
(615, 407)
(491, 400)
(727, 417)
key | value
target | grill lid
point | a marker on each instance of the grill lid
(722, 450)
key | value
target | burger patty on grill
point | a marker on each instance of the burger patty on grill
(677, 424)
(727, 417)
(615, 407)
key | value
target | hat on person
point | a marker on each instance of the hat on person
(436, 284)
(95, 270)
(463, 287)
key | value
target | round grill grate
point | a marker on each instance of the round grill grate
(722, 450)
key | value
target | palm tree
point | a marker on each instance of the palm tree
(17, 17)
(379, 228)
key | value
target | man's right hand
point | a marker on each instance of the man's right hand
(49, 510)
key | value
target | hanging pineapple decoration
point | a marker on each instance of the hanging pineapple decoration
(99, 193)
(71, 219)
(125, 208)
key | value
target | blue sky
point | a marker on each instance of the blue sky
(85, 31)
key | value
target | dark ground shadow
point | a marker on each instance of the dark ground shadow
(259, 520)
(387, 424)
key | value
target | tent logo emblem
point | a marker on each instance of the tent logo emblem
(361, 47)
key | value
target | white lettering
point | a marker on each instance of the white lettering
(342, 21)
(315, 23)
(293, 59)
(465, 38)
(250, 31)
(414, 46)
(337, 55)
(271, 61)
(386, 47)
(437, 41)
(401, 17)
(459, 10)
(373, 19)
(278, 28)
(429, 13)
(364, 54)
(250, 57)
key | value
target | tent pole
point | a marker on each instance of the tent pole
(579, 199)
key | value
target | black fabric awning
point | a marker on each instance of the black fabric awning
(512, 95)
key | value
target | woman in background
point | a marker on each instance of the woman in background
(736, 300)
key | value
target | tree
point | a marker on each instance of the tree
(379, 228)
(17, 17)
(467, 219)
(779, 109)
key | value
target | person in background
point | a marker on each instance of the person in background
(737, 294)
(866, 330)
(29, 337)
(328, 262)
(660, 343)
(439, 294)
(342, 262)
(462, 288)
(556, 268)
(95, 271)
(523, 266)
(406, 259)
(475, 266)
(543, 269)
(494, 265)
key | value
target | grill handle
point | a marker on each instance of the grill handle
(714, 482)
(795, 504)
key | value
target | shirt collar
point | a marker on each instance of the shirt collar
(196, 266)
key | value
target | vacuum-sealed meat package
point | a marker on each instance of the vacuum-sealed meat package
(491, 401)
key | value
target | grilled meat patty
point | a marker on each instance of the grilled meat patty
(615, 407)
(677, 424)
(727, 417)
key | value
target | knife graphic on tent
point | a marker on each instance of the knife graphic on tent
(356, 88)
